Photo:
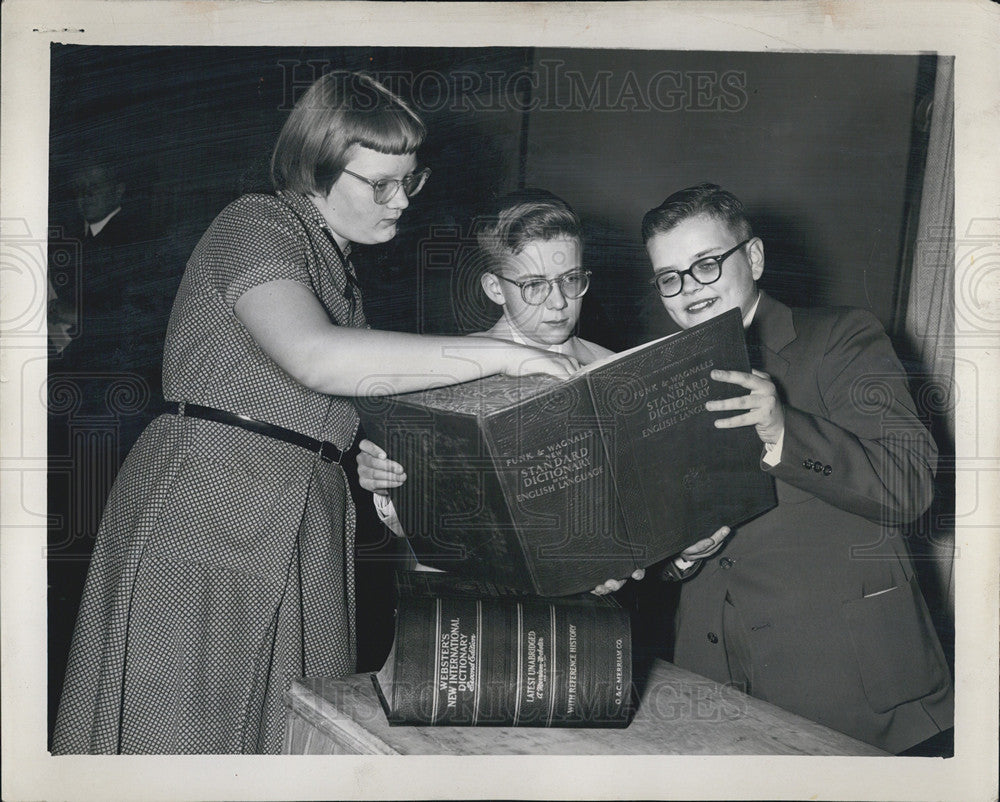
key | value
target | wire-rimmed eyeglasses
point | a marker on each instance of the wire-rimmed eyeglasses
(705, 271)
(536, 291)
(385, 189)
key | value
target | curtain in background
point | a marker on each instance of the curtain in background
(930, 313)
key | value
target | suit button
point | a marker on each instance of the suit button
(713, 638)
(727, 562)
(807, 464)
(818, 467)
(827, 470)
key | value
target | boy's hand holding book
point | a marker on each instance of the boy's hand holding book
(760, 408)
(376, 472)
(612, 585)
(688, 561)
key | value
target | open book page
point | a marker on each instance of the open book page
(608, 360)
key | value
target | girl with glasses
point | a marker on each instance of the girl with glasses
(223, 567)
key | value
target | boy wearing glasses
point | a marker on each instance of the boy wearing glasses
(812, 606)
(531, 247)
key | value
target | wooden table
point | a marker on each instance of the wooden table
(679, 713)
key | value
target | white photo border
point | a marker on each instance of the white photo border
(968, 30)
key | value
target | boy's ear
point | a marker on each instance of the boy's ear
(755, 251)
(491, 286)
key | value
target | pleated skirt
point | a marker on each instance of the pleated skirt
(222, 570)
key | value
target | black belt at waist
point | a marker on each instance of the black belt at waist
(327, 451)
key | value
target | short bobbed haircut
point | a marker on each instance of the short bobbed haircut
(521, 217)
(704, 199)
(340, 110)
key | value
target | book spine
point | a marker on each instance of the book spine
(529, 663)
(534, 686)
(594, 651)
(556, 670)
(519, 677)
(416, 671)
(440, 664)
(477, 658)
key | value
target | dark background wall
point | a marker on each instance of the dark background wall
(816, 145)
(194, 128)
(819, 146)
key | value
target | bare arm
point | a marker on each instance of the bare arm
(293, 328)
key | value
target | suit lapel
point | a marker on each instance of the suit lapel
(771, 331)
(754, 346)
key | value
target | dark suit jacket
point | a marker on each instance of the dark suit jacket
(838, 631)
(104, 387)
(125, 282)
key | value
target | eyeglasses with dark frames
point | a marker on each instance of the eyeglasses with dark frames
(385, 189)
(705, 271)
(535, 291)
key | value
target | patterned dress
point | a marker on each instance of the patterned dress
(224, 563)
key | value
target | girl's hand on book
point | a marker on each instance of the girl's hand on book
(612, 585)
(376, 472)
(527, 361)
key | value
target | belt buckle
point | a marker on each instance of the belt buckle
(328, 452)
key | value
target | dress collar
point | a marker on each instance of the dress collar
(307, 210)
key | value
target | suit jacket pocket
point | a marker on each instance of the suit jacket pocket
(897, 649)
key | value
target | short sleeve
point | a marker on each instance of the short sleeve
(253, 242)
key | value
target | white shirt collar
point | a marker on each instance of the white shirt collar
(748, 317)
(95, 228)
(503, 329)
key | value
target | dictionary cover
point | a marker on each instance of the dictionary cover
(552, 487)
(468, 653)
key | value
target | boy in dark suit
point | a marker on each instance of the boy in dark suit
(107, 334)
(812, 606)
